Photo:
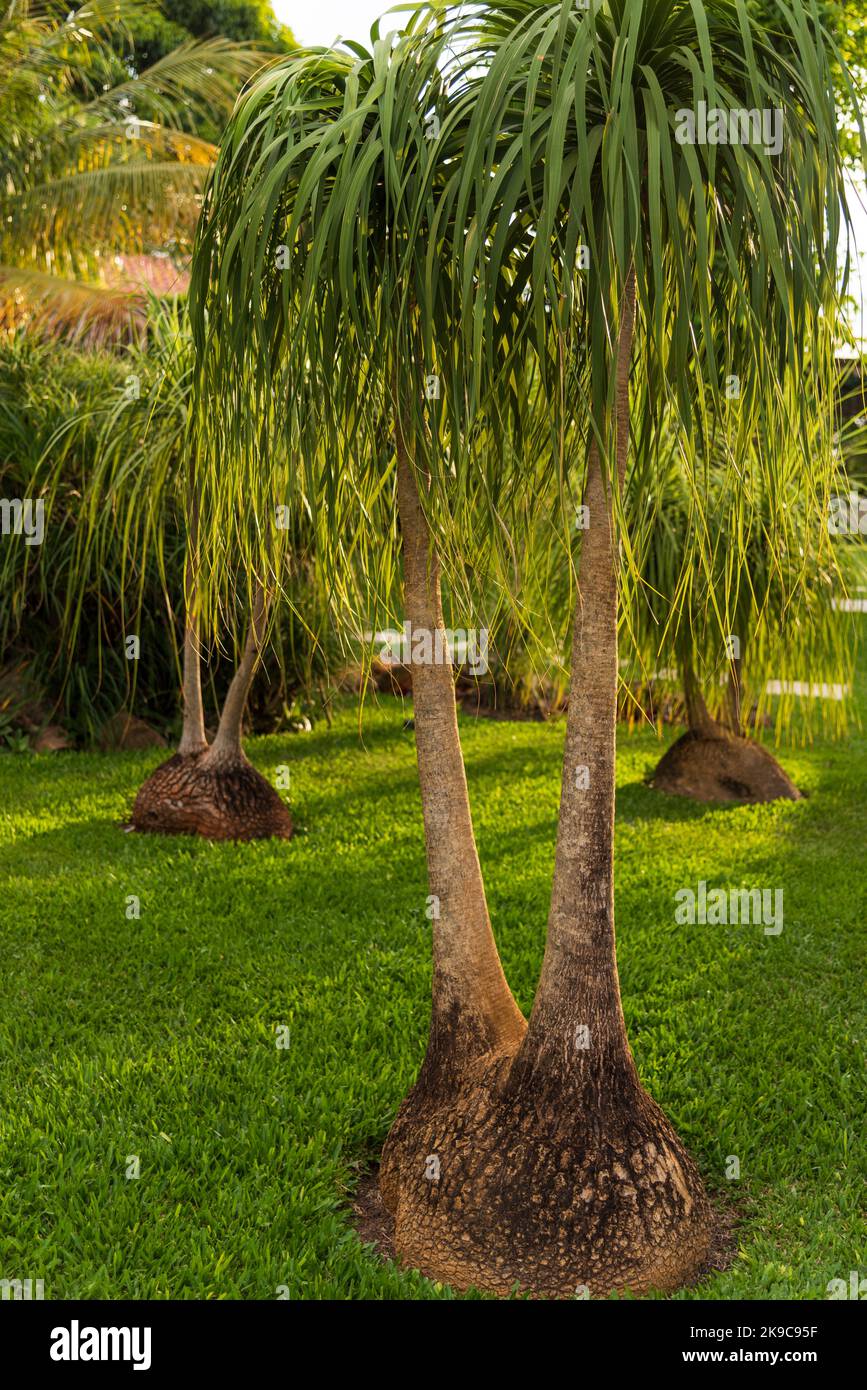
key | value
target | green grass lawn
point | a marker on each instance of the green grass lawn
(157, 1037)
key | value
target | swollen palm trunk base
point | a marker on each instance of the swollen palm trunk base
(218, 799)
(720, 766)
(569, 1184)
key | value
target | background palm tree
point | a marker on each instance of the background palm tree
(97, 159)
(753, 647)
(144, 486)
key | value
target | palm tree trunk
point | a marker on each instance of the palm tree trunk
(544, 1163)
(734, 696)
(473, 1009)
(698, 717)
(193, 737)
(226, 747)
(579, 988)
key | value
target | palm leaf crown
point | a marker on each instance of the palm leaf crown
(467, 202)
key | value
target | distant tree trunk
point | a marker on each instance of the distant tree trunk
(227, 745)
(735, 697)
(193, 738)
(545, 1163)
(698, 718)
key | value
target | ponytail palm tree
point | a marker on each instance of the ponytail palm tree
(142, 488)
(490, 200)
(768, 624)
(312, 269)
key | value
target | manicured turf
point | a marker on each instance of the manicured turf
(157, 1037)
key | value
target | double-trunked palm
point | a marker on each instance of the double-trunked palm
(212, 791)
(484, 200)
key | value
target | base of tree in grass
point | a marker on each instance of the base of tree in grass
(558, 1189)
(374, 1225)
(722, 767)
(226, 800)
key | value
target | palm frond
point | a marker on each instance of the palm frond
(53, 306)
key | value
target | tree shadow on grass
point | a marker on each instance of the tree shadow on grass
(637, 801)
